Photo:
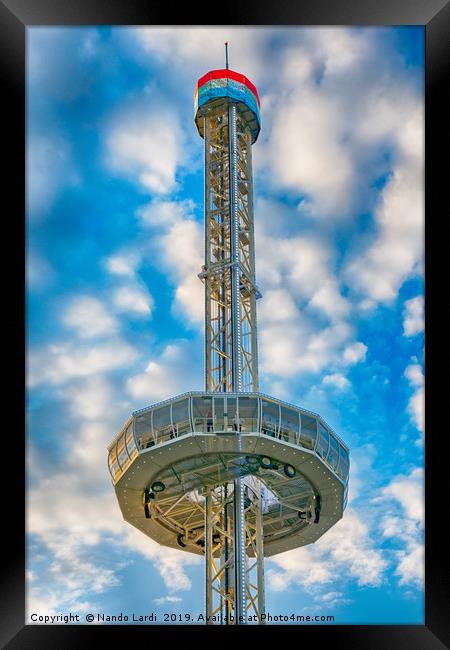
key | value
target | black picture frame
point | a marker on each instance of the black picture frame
(434, 15)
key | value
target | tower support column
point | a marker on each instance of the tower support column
(227, 116)
(208, 558)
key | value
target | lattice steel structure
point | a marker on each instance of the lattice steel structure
(229, 273)
(227, 117)
(230, 473)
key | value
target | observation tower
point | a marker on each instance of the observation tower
(230, 473)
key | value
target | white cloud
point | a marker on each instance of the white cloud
(333, 115)
(89, 318)
(392, 258)
(303, 263)
(337, 380)
(277, 306)
(302, 351)
(167, 599)
(71, 507)
(133, 300)
(40, 599)
(201, 49)
(305, 134)
(178, 247)
(333, 599)
(165, 213)
(414, 320)
(396, 253)
(182, 250)
(72, 520)
(408, 491)
(88, 398)
(58, 363)
(355, 352)
(123, 264)
(300, 294)
(176, 370)
(405, 529)
(416, 407)
(341, 50)
(309, 117)
(329, 300)
(145, 144)
(346, 550)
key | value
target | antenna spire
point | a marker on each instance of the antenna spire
(226, 54)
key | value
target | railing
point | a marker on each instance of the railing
(224, 414)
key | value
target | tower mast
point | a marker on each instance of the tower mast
(229, 127)
(189, 471)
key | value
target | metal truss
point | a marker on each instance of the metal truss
(229, 271)
(231, 359)
(222, 572)
(181, 508)
(210, 521)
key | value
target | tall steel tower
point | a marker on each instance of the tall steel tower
(231, 474)
(227, 117)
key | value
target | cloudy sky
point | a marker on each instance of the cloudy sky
(115, 308)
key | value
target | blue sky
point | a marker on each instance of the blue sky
(115, 308)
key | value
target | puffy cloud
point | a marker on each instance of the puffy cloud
(58, 363)
(133, 300)
(346, 549)
(310, 146)
(340, 50)
(408, 491)
(201, 49)
(88, 398)
(89, 318)
(416, 379)
(397, 250)
(333, 599)
(182, 250)
(123, 264)
(301, 262)
(277, 306)
(293, 347)
(330, 119)
(405, 529)
(355, 352)
(174, 371)
(167, 599)
(72, 511)
(304, 133)
(178, 247)
(414, 320)
(329, 300)
(165, 213)
(393, 257)
(41, 598)
(337, 380)
(71, 520)
(145, 144)
(300, 292)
